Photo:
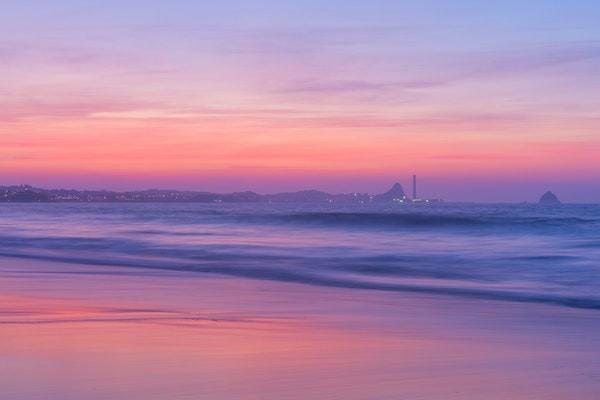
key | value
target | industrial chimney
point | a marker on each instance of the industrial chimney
(414, 187)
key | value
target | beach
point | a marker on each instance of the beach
(71, 331)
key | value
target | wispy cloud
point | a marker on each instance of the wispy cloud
(527, 59)
(453, 67)
(74, 107)
(345, 86)
(424, 120)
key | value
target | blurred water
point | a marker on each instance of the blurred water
(524, 253)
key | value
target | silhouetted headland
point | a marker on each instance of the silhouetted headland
(26, 193)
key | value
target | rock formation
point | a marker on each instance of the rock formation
(549, 198)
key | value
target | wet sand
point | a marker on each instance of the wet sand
(71, 331)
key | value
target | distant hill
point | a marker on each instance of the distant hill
(396, 193)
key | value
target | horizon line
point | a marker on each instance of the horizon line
(406, 197)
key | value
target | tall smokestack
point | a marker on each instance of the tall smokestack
(414, 187)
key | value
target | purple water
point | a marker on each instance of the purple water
(516, 253)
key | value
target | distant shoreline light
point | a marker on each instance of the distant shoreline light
(26, 193)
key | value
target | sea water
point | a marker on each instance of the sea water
(508, 252)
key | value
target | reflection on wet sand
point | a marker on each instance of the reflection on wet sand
(180, 336)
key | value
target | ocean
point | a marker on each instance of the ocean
(508, 252)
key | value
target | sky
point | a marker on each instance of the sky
(485, 101)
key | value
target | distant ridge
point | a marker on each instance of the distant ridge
(26, 193)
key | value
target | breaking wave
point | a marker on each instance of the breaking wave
(509, 253)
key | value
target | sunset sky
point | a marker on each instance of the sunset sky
(485, 101)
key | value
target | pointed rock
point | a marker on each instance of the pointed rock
(396, 192)
(549, 198)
